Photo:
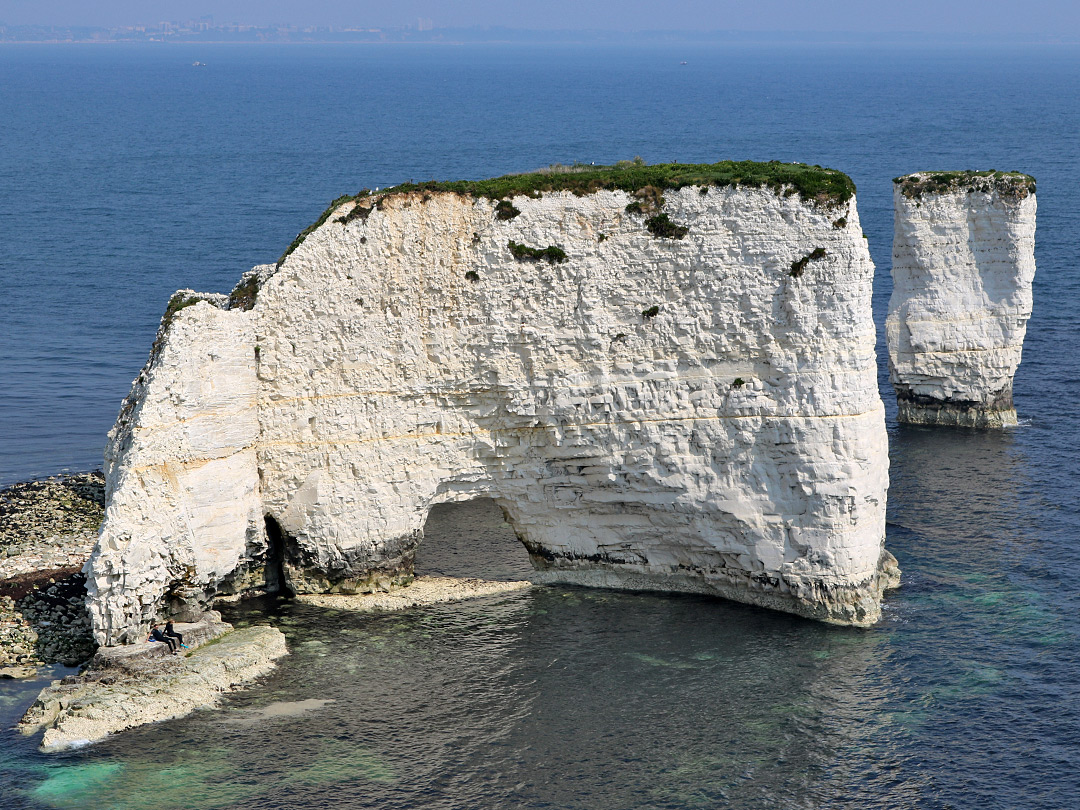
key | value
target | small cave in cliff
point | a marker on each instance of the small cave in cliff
(471, 539)
(276, 581)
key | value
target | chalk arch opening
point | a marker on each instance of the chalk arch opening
(471, 535)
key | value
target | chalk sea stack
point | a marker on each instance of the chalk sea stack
(664, 375)
(963, 264)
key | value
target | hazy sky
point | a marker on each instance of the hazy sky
(933, 16)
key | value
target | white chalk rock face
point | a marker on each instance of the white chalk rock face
(652, 409)
(183, 518)
(963, 264)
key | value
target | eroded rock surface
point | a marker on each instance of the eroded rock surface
(183, 520)
(672, 392)
(963, 264)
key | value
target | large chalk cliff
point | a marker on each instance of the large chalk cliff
(963, 265)
(685, 401)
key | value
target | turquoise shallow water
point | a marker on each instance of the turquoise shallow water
(125, 173)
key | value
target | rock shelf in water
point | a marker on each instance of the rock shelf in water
(669, 383)
(424, 590)
(134, 685)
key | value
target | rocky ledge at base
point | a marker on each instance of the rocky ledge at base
(424, 590)
(130, 686)
(47, 529)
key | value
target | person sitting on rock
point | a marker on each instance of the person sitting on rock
(171, 633)
(157, 635)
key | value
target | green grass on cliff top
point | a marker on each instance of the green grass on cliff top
(826, 187)
(1015, 185)
(810, 182)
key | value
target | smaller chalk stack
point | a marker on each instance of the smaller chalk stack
(963, 263)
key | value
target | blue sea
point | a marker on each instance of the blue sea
(128, 172)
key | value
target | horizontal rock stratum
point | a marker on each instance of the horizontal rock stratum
(963, 266)
(664, 375)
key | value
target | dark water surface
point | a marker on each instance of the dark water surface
(126, 173)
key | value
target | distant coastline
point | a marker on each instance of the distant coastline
(424, 32)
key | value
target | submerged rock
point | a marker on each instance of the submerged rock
(138, 684)
(17, 673)
(665, 377)
(963, 265)
(425, 590)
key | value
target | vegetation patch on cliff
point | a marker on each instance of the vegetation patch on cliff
(359, 211)
(182, 300)
(505, 210)
(551, 254)
(648, 200)
(661, 226)
(799, 265)
(300, 237)
(178, 302)
(245, 293)
(1011, 185)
